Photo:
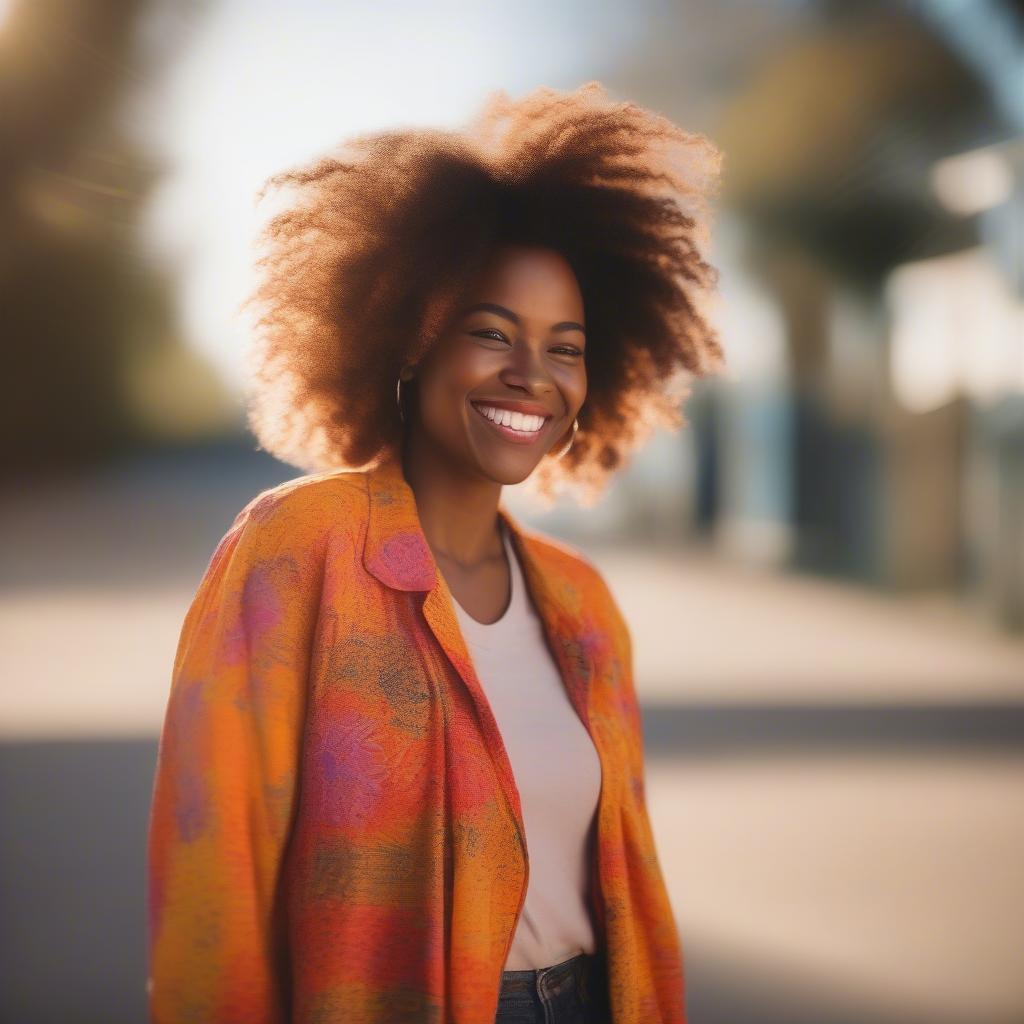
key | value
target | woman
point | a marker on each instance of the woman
(401, 773)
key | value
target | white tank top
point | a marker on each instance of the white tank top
(557, 772)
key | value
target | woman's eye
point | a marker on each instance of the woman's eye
(496, 335)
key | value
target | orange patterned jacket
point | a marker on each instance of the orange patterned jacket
(336, 833)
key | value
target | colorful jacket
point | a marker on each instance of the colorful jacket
(336, 834)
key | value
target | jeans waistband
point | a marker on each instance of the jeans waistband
(587, 969)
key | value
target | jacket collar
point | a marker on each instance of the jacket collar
(396, 550)
(397, 553)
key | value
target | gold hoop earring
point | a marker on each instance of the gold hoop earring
(398, 398)
(575, 427)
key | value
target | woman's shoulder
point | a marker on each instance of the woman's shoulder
(570, 564)
(296, 519)
(304, 507)
(558, 554)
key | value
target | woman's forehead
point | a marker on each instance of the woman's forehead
(528, 281)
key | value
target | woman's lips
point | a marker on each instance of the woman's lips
(510, 433)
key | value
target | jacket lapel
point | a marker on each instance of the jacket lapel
(397, 553)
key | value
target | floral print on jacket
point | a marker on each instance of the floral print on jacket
(336, 834)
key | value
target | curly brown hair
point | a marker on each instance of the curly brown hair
(363, 271)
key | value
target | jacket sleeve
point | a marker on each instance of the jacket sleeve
(652, 893)
(225, 786)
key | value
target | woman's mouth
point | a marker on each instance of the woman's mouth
(518, 427)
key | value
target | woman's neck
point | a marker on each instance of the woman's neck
(458, 512)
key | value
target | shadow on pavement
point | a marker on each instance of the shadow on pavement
(72, 873)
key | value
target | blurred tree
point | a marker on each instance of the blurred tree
(80, 301)
(833, 138)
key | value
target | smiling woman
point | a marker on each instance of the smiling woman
(384, 243)
(508, 377)
(385, 682)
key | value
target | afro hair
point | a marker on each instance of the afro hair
(363, 268)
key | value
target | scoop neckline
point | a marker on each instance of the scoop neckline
(513, 589)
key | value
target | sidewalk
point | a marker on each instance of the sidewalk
(834, 776)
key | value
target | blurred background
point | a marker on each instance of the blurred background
(823, 572)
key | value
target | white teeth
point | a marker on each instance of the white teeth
(516, 420)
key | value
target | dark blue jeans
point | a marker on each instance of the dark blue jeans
(574, 991)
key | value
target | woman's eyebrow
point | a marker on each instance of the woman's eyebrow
(494, 307)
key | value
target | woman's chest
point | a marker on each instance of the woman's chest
(404, 715)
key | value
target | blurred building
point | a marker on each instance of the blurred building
(870, 423)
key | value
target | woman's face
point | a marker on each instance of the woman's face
(515, 351)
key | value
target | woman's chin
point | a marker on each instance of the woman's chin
(507, 468)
